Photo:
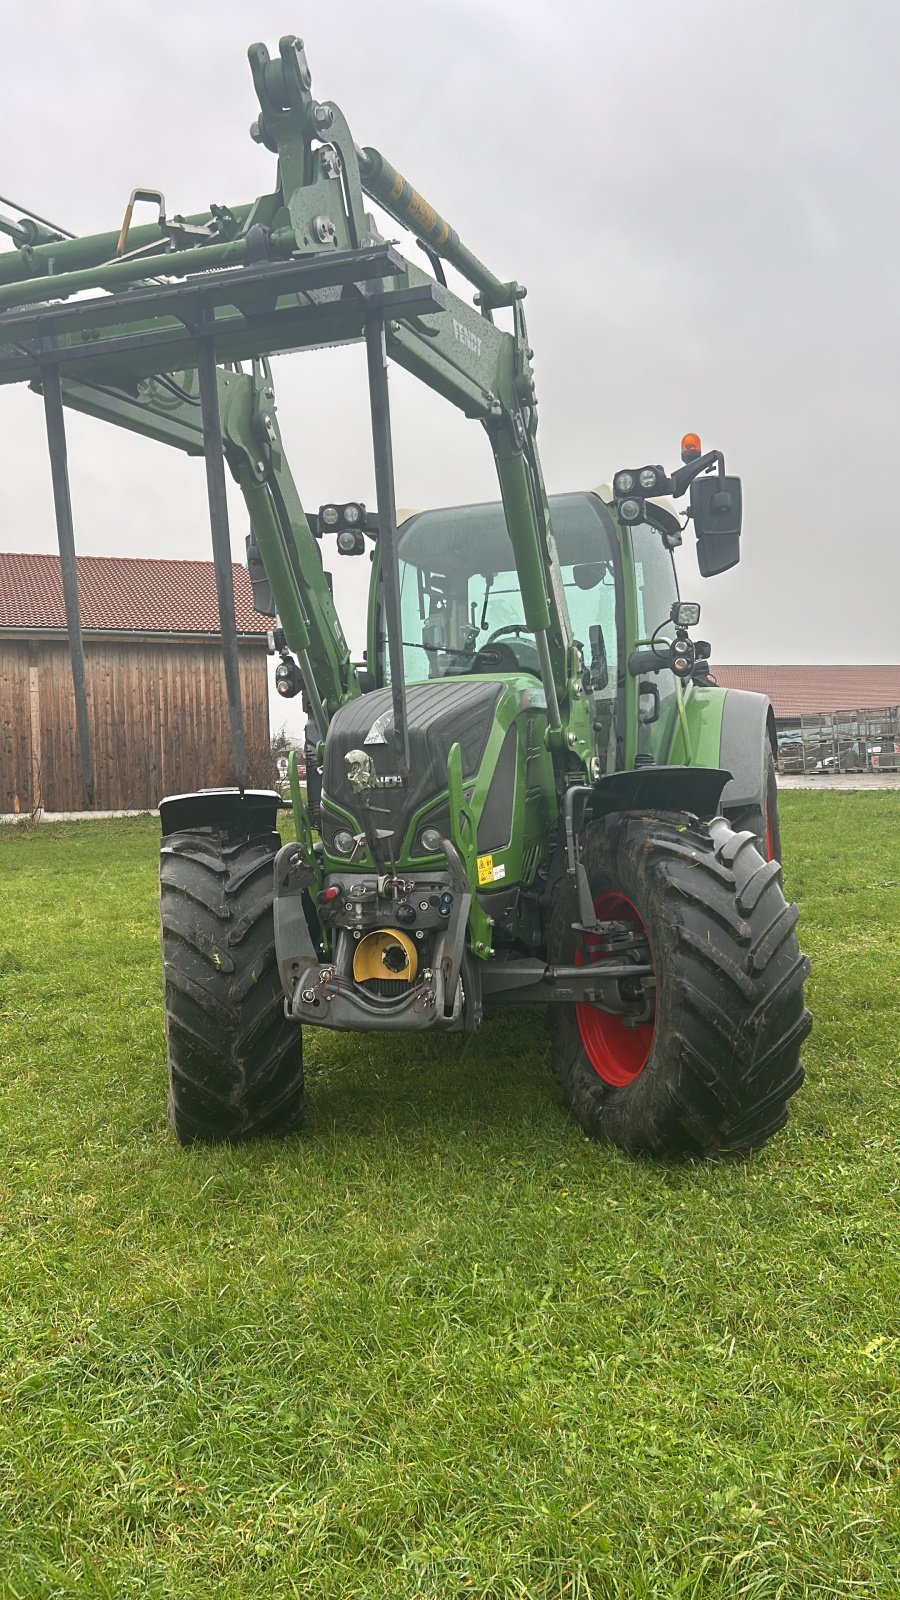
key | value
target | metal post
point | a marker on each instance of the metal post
(379, 399)
(221, 544)
(65, 533)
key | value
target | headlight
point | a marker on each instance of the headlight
(288, 680)
(631, 510)
(685, 613)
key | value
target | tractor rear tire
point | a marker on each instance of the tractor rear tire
(235, 1062)
(762, 820)
(714, 1069)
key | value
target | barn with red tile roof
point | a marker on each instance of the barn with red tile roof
(156, 688)
(829, 718)
(815, 691)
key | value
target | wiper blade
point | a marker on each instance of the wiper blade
(434, 649)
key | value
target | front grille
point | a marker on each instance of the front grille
(531, 860)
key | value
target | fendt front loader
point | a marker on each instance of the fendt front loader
(533, 791)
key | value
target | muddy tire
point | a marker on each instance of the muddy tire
(714, 1070)
(762, 821)
(235, 1063)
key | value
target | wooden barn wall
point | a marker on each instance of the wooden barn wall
(16, 777)
(159, 721)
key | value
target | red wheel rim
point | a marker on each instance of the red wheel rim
(770, 834)
(617, 1054)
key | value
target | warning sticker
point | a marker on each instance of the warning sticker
(487, 872)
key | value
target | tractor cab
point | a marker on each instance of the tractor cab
(462, 613)
(461, 604)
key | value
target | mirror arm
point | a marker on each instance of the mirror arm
(684, 476)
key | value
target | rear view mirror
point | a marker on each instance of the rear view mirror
(589, 574)
(648, 704)
(716, 511)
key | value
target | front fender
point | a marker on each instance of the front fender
(729, 729)
(248, 811)
(748, 730)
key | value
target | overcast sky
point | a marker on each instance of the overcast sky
(700, 197)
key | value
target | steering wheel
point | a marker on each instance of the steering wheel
(509, 627)
(500, 657)
(504, 657)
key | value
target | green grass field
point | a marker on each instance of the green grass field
(439, 1345)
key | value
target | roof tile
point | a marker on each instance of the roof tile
(807, 690)
(122, 594)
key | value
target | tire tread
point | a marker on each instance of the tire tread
(731, 1018)
(235, 1062)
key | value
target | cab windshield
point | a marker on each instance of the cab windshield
(460, 603)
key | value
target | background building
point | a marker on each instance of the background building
(844, 719)
(156, 688)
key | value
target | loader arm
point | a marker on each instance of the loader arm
(299, 268)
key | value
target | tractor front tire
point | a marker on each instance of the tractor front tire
(714, 1068)
(235, 1062)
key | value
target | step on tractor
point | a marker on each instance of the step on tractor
(531, 789)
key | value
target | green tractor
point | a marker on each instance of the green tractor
(531, 790)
